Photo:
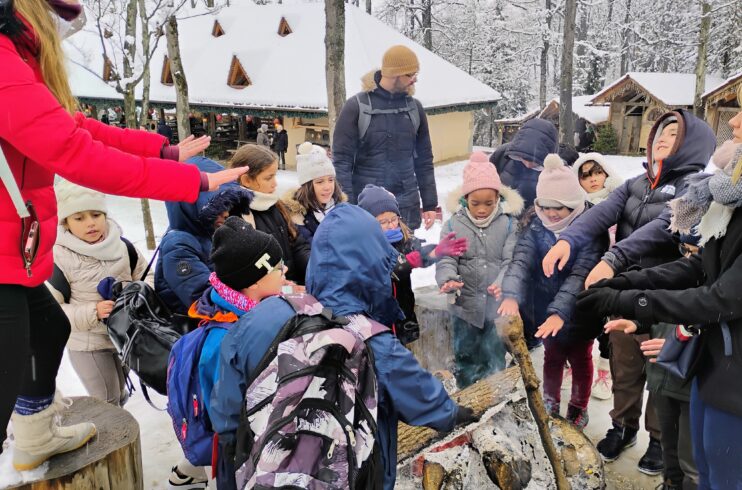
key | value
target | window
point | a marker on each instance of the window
(237, 76)
(283, 28)
(217, 31)
(167, 76)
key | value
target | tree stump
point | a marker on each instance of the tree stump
(434, 348)
(112, 460)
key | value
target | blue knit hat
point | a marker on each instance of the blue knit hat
(377, 200)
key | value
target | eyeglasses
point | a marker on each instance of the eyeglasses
(277, 267)
(29, 237)
(389, 222)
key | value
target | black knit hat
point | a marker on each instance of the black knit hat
(241, 254)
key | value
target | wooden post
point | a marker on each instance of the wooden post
(111, 460)
(511, 328)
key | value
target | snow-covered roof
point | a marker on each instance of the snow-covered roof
(286, 73)
(519, 119)
(671, 89)
(729, 81)
(594, 114)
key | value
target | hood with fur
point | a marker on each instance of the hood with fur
(370, 82)
(510, 201)
(296, 209)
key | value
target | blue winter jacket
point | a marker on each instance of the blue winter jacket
(551, 295)
(640, 210)
(391, 155)
(351, 276)
(536, 139)
(183, 269)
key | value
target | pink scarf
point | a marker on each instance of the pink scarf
(234, 298)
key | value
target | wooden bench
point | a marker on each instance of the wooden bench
(112, 460)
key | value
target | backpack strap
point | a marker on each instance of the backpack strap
(133, 255)
(364, 114)
(60, 283)
(414, 113)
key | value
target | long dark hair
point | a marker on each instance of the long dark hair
(305, 196)
(258, 158)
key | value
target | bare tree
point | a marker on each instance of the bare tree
(703, 41)
(625, 40)
(182, 106)
(566, 123)
(545, 57)
(368, 7)
(334, 59)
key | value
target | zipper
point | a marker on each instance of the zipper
(366, 414)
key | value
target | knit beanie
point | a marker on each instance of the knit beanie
(479, 173)
(72, 198)
(558, 185)
(241, 254)
(377, 200)
(312, 162)
(399, 60)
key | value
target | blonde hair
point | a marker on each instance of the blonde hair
(51, 58)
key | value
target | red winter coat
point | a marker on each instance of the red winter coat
(41, 139)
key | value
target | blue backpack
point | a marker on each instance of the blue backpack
(184, 397)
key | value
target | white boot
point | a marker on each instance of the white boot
(38, 437)
(603, 385)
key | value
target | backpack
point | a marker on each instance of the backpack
(366, 112)
(185, 402)
(309, 418)
(62, 285)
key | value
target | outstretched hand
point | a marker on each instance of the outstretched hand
(620, 325)
(450, 246)
(601, 271)
(558, 256)
(223, 176)
(451, 286)
(429, 219)
(550, 327)
(509, 307)
(192, 146)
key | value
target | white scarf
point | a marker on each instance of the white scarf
(110, 248)
(484, 222)
(262, 201)
(320, 215)
(598, 196)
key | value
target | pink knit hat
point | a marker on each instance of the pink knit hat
(479, 173)
(558, 185)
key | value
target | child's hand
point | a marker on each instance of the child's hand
(451, 286)
(599, 272)
(103, 309)
(651, 348)
(495, 291)
(450, 246)
(509, 307)
(620, 325)
(550, 327)
(558, 256)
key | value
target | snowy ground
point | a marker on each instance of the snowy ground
(160, 450)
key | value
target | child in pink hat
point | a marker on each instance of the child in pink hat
(487, 218)
(559, 201)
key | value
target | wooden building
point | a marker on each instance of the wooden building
(722, 103)
(637, 100)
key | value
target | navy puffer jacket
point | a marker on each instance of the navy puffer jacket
(640, 208)
(182, 272)
(555, 294)
(391, 155)
(536, 139)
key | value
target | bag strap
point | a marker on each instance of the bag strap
(149, 400)
(6, 175)
(133, 255)
(154, 256)
(364, 114)
(60, 283)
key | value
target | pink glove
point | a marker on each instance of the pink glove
(450, 246)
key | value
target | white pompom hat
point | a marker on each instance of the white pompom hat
(72, 198)
(312, 163)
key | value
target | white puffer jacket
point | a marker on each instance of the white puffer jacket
(84, 265)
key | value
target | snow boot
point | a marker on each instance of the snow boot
(38, 437)
(577, 416)
(651, 463)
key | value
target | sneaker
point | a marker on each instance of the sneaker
(651, 463)
(602, 388)
(180, 481)
(577, 416)
(615, 441)
(567, 379)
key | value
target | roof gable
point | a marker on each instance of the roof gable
(669, 89)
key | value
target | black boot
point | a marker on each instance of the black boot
(651, 463)
(615, 441)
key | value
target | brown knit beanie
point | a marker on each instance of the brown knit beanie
(399, 60)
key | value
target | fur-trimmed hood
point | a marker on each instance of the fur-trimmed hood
(370, 82)
(296, 209)
(510, 201)
(612, 182)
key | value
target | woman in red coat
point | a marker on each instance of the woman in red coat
(41, 135)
